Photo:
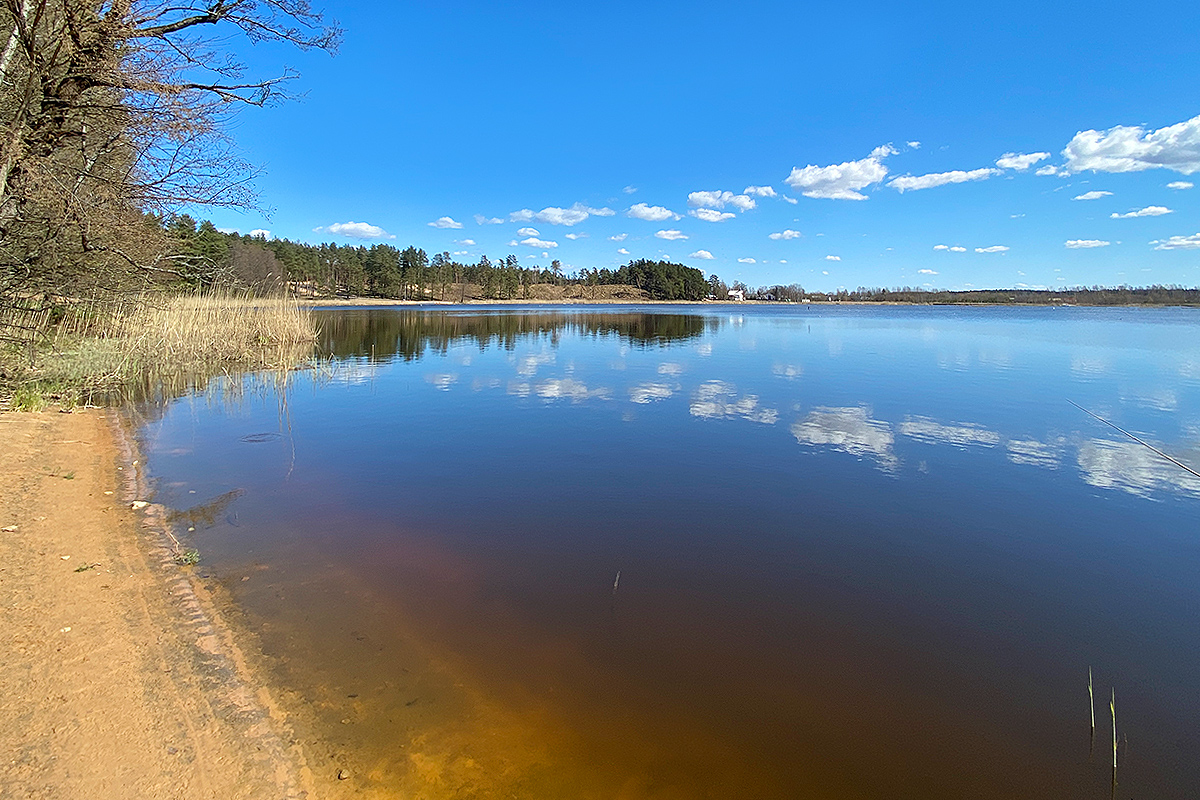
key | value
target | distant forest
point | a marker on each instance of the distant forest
(206, 256)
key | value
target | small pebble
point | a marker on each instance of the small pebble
(343, 774)
(346, 721)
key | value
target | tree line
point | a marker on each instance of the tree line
(206, 256)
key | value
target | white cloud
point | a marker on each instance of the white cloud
(958, 249)
(704, 254)
(260, 233)
(528, 232)
(671, 235)
(1178, 243)
(622, 251)
(445, 222)
(1130, 148)
(1049, 169)
(915, 182)
(760, 191)
(927, 272)
(1020, 161)
(574, 236)
(480, 219)
(620, 237)
(1148, 211)
(842, 181)
(651, 213)
(1083, 244)
(940, 247)
(355, 230)
(785, 234)
(541, 244)
(996, 248)
(553, 215)
(719, 199)
(1092, 195)
(459, 253)
(1180, 185)
(833, 258)
(711, 214)
(467, 242)
(747, 261)
(629, 189)
(913, 145)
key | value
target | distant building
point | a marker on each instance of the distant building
(737, 294)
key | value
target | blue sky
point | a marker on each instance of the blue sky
(870, 144)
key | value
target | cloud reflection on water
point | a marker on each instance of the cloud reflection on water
(959, 434)
(442, 380)
(559, 389)
(1033, 453)
(719, 400)
(850, 430)
(651, 392)
(1133, 468)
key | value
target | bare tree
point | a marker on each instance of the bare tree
(113, 114)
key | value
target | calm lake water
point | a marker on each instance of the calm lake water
(718, 551)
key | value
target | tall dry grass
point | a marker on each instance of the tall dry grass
(155, 345)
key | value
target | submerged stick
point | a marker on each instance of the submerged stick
(616, 581)
(1113, 707)
(1091, 700)
(1179, 464)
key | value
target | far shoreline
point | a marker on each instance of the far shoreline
(384, 302)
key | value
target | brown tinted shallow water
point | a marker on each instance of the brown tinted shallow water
(864, 553)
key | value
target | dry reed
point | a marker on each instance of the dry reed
(164, 345)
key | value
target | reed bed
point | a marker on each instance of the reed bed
(155, 345)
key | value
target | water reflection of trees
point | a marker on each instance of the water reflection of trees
(387, 333)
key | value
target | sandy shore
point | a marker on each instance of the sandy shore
(118, 677)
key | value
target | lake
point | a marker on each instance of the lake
(717, 551)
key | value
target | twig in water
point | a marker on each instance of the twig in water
(1091, 701)
(616, 581)
(1113, 707)
(1179, 464)
(1091, 698)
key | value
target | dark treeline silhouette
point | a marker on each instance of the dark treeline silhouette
(662, 280)
(209, 256)
(385, 334)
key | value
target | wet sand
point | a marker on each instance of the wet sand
(118, 677)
